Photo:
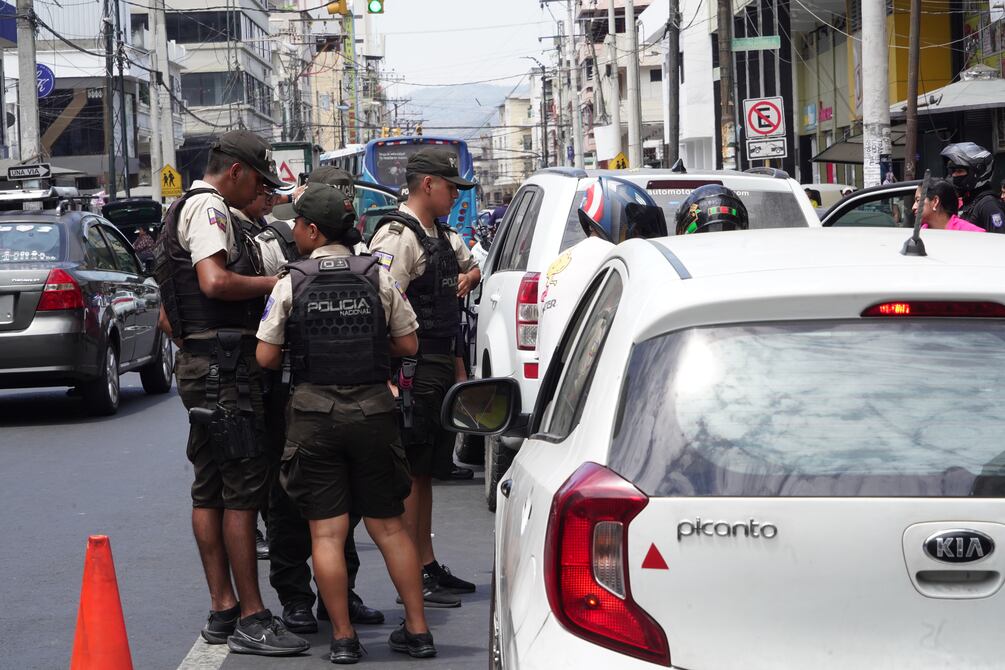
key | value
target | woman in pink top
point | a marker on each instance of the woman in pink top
(940, 208)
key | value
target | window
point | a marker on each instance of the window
(511, 229)
(577, 376)
(199, 27)
(123, 256)
(881, 210)
(97, 255)
(20, 242)
(655, 75)
(207, 89)
(525, 235)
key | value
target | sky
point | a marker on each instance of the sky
(454, 41)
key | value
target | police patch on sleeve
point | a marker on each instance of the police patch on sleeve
(217, 218)
(268, 307)
(385, 259)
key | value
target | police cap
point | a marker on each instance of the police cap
(326, 206)
(437, 162)
(251, 150)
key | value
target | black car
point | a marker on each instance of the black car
(77, 308)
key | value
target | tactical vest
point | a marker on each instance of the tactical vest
(279, 230)
(433, 294)
(337, 331)
(187, 308)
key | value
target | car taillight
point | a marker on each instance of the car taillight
(530, 370)
(61, 292)
(938, 308)
(586, 565)
(526, 311)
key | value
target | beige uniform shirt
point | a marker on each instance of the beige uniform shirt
(204, 227)
(400, 317)
(273, 258)
(402, 254)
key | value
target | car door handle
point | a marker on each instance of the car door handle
(506, 487)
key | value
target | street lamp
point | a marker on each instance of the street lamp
(544, 113)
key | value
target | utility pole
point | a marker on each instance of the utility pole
(544, 116)
(111, 190)
(27, 86)
(122, 98)
(612, 54)
(563, 156)
(634, 103)
(156, 159)
(673, 86)
(728, 120)
(875, 98)
(914, 52)
(164, 88)
(577, 116)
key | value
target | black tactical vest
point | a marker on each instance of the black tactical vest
(187, 308)
(279, 230)
(433, 294)
(337, 331)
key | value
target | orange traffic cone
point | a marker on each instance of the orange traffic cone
(100, 641)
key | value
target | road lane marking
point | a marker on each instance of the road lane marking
(204, 656)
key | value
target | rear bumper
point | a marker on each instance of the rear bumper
(53, 351)
(554, 648)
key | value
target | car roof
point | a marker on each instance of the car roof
(44, 216)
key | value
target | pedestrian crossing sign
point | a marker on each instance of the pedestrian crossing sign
(619, 162)
(170, 182)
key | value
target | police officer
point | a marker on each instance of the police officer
(289, 535)
(711, 208)
(342, 318)
(434, 267)
(212, 301)
(969, 167)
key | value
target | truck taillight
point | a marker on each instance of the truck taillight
(61, 292)
(526, 311)
(586, 565)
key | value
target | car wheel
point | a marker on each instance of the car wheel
(101, 396)
(495, 655)
(157, 374)
(497, 461)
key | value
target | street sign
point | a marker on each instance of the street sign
(762, 43)
(768, 147)
(170, 182)
(22, 172)
(46, 80)
(619, 162)
(286, 174)
(765, 117)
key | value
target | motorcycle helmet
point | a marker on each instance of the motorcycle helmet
(975, 159)
(710, 208)
(616, 210)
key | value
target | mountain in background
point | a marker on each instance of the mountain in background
(457, 111)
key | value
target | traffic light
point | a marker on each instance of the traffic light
(339, 7)
(375, 6)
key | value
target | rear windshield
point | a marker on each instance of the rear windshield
(26, 242)
(891, 408)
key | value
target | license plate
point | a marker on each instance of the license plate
(7, 308)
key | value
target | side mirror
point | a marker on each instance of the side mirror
(484, 407)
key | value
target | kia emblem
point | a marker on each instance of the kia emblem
(959, 545)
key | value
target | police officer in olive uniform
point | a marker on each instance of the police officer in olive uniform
(212, 295)
(289, 535)
(341, 318)
(435, 268)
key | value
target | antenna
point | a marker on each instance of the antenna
(914, 245)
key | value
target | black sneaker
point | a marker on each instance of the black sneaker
(261, 546)
(265, 635)
(346, 650)
(220, 625)
(417, 645)
(435, 596)
(447, 581)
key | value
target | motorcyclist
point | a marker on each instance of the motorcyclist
(709, 208)
(970, 167)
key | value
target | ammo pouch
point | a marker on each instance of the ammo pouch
(234, 432)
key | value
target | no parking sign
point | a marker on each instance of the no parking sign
(764, 117)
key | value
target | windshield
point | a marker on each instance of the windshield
(390, 160)
(891, 408)
(21, 242)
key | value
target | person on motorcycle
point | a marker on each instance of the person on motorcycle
(969, 167)
(710, 208)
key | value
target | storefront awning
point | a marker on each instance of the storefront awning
(850, 150)
(978, 88)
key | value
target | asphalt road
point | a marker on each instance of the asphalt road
(64, 476)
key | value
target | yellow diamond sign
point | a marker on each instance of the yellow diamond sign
(619, 162)
(170, 182)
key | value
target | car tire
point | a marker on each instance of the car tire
(497, 461)
(157, 375)
(101, 396)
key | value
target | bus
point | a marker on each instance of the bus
(349, 158)
(384, 163)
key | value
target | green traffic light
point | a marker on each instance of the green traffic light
(375, 6)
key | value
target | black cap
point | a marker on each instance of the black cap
(325, 206)
(438, 162)
(333, 176)
(251, 150)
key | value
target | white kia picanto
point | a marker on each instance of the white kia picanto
(765, 449)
